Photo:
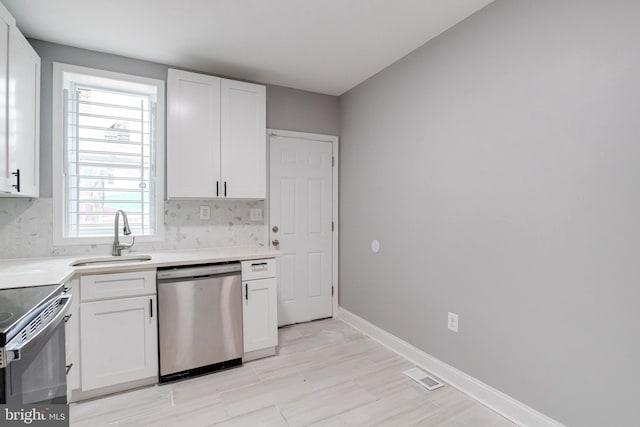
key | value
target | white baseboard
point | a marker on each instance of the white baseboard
(501, 403)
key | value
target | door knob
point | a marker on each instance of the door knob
(275, 242)
(275, 229)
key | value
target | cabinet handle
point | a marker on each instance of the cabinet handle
(68, 369)
(225, 189)
(217, 188)
(151, 307)
(246, 291)
(67, 317)
(262, 266)
(17, 175)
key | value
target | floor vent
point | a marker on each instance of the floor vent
(423, 379)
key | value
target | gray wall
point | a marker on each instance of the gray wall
(499, 166)
(299, 110)
(288, 109)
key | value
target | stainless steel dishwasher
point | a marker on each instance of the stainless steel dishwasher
(199, 319)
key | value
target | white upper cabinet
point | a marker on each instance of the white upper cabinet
(244, 145)
(19, 112)
(216, 138)
(6, 21)
(193, 135)
(24, 114)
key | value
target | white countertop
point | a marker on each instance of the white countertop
(24, 272)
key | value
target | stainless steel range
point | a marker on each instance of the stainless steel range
(32, 345)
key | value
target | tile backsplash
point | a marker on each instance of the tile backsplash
(26, 228)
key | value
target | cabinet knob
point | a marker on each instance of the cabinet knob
(275, 243)
(275, 229)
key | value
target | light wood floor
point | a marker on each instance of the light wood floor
(326, 374)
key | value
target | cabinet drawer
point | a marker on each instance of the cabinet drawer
(258, 269)
(118, 285)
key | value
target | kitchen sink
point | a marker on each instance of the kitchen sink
(110, 260)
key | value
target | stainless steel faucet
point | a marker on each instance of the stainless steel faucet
(117, 246)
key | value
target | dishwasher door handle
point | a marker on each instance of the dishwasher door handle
(188, 273)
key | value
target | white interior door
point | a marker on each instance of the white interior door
(300, 215)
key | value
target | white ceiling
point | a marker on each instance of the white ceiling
(326, 46)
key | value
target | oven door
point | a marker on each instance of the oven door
(35, 373)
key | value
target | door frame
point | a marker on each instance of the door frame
(334, 140)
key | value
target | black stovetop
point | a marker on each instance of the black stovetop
(19, 305)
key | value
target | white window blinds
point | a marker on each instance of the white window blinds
(109, 155)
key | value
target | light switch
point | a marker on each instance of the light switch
(205, 212)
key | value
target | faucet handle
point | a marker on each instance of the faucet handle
(133, 240)
(128, 246)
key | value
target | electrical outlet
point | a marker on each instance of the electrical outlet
(452, 322)
(255, 214)
(205, 212)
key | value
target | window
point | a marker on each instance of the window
(108, 154)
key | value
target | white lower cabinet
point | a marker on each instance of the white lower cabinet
(72, 338)
(259, 308)
(259, 315)
(119, 341)
(118, 334)
(112, 327)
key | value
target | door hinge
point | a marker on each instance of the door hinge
(333, 161)
(333, 226)
(331, 290)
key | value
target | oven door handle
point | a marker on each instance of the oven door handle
(15, 350)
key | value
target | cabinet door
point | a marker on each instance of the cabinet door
(5, 167)
(24, 113)
(119, 341)
(193, 135)
(243, 130)
(260, 322)
(72, 338)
